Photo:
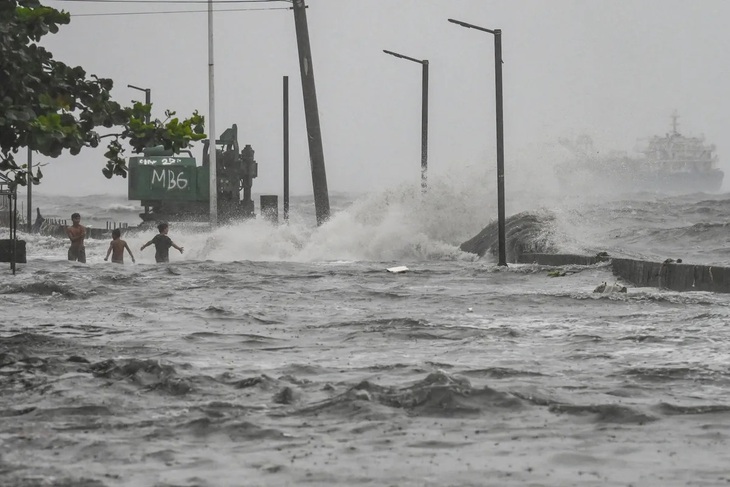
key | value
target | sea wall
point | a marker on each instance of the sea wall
(59, 230)
(641, 273)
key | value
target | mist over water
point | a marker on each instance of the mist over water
(404, 224)
(400, 223)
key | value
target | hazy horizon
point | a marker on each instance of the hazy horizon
(613, 70)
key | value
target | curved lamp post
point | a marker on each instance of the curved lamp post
(500, 131)
(147, 96)
(424, 113)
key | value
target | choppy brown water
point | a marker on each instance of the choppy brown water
(338, 373)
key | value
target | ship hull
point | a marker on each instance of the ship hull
(638, 182)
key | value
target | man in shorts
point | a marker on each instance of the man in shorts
(162, 244)
(76, 233)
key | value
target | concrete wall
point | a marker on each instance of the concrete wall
(642, 273)
(6, 251)
(559, 259)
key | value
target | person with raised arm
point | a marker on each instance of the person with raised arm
(162, 244)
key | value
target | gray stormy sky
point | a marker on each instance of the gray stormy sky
(615, 70)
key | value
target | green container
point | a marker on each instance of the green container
(167, 178)
(203, 184)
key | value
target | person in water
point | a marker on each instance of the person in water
(116, 248)
(76, 233)
(162, 244)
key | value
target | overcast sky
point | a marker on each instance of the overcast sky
(615, 70)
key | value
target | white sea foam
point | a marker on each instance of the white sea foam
(394, 225)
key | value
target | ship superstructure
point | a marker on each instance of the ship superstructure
(673, 163)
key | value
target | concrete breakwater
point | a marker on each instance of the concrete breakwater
(530, 239)
(641, 273)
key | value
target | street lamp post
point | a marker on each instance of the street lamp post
(147, 97)
(424, 114)
(500, 132)
(30, 190)
(212, 148)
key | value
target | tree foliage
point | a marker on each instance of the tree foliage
(48, 106)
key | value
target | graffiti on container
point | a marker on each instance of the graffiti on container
(164, 161)
(169, 179)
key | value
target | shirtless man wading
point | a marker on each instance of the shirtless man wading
(76, 233)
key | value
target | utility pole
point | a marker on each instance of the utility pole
(285, 95)
(311, 112)
(212, 148)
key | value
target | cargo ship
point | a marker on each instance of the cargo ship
(673, 164)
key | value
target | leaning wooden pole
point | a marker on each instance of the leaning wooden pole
(311, 113)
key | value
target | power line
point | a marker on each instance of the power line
(179, 2)
(179, 12)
